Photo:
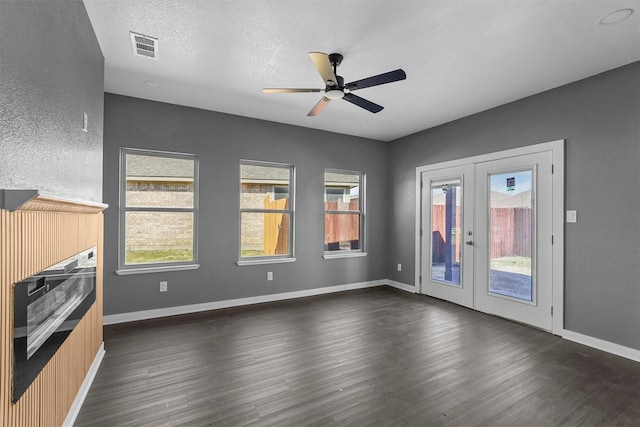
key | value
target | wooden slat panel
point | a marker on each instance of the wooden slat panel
(99, 280)
(30, 241)
(4, 337)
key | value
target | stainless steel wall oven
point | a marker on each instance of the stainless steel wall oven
(47, 307)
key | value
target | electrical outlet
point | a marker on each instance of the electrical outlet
(399, 267)
(269, 275)
(163, 286)
(85, 122)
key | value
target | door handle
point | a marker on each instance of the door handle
(469, 242)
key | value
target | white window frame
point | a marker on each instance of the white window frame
(361, 212)
(127, 269)
(268, 259)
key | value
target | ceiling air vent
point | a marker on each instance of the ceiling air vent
(144, 46)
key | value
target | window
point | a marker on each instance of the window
(343, 213)
(158, 211)
(266, 212)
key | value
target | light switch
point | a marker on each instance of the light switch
(572, 216)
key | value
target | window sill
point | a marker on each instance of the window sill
(329, 255)
(158, 269)
(264, 261)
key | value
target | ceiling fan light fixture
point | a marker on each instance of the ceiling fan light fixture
(334, 94)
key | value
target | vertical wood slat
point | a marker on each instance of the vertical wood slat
(31, 241)
(3, 296)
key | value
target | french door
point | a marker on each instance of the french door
(447, 207)
(486, 236)
(513, 239)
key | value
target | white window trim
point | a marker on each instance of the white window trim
(261, 261)
(268, 259)
(123, 268)
(343, 254)
(362, 212)
(158, 269)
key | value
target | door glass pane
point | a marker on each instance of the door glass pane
(510, 234)
(446, 231)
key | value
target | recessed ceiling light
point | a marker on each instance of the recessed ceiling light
(151, 83)
(616, 16)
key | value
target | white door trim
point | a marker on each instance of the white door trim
(557, 155)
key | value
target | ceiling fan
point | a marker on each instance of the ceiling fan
(336, 88)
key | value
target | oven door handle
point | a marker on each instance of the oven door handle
(41, 285)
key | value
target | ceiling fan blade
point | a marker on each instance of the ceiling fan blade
(324, 101)
(380, 79)
(323, 65)
(289, 90)
(361, 102)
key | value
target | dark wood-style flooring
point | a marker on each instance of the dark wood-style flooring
(370, 357)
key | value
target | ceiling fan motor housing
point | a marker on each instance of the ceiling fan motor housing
(335, 59)
(337, 91)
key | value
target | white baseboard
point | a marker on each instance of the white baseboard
(84, 389)
(402, 286)
(112, 319)
(195, 308)
(609, 347)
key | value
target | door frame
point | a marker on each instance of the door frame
(557, 217)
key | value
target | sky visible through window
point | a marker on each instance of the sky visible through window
(522, 182)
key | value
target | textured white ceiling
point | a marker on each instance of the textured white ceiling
(461, 57)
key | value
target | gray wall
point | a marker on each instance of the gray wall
(220, 141)
(51, 71)
(600, 119)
